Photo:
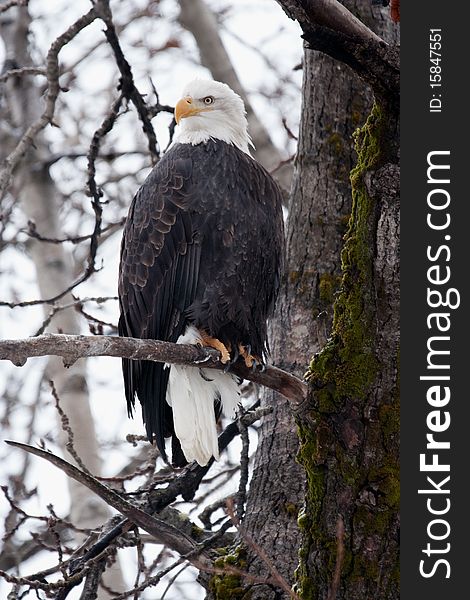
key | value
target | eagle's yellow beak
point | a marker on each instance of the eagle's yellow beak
(185, 108)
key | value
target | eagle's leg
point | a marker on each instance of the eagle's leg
(210, 342)
(251, 361)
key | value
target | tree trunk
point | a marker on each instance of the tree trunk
(349, 436)
(335, 103)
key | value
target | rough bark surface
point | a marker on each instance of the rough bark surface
(349, 436)
(319, 210)
(335, 103)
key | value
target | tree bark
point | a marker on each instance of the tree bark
(335, 102)
(349, 435)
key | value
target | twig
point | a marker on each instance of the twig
(73, 347)
(92, 580)
(32, 232)
(150, 581)
(282, 163)
(65, 424)
(11, 3)
(52, 70)
(244, 461)
(93, 189)
(277, 577)
(160, 530)
(290, 133)
(107, 156)
(21, 71)
(331, 28)
(339, 558)
(77, 302)
(41, 585)
(205, 516)
(186, 485)
(172, 581)
(127, 85)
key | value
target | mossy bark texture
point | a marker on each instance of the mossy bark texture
(336, 460)
(349, 438)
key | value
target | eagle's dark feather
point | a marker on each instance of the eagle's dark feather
(202, 244)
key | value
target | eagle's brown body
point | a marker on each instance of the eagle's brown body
(202, 246)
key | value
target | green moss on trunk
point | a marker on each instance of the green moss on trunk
(227, 585)
(341, 377)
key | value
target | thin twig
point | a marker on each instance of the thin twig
(11, 3)
(172, 581)
(339, 559)
(167, 534)
(259, 551)
(78, 239)
(78, 305)
(127, 85)
(65, 423)
(52, 70)
(20, 71)
(185, 484)
(244, 461)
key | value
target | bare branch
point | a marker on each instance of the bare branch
(329, 27)
(109, 228)
(52, 70)
(11, 3)
(22, 71)
(73, 347)
(160, 530)
(77, 303)
(331, 14)
(186, 485)
(65, 423)
(127, 85)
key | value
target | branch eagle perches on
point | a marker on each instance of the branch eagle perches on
(73, 347)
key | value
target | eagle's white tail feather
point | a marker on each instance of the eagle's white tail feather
(191, 393)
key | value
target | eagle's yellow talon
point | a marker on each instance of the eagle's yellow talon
(210, 342)
(250, 360)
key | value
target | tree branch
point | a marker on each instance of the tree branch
(126, 84)
(158, 501)
(73, 347)
(163, 532)
(11, 3)
(52, 72)
(329, 27)
(331, 14)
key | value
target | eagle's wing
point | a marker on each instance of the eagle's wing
(160, 258)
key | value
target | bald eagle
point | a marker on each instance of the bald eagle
(201, 257)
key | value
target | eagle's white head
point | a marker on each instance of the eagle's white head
(210, 109)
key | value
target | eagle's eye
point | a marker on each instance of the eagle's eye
(208, 100)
